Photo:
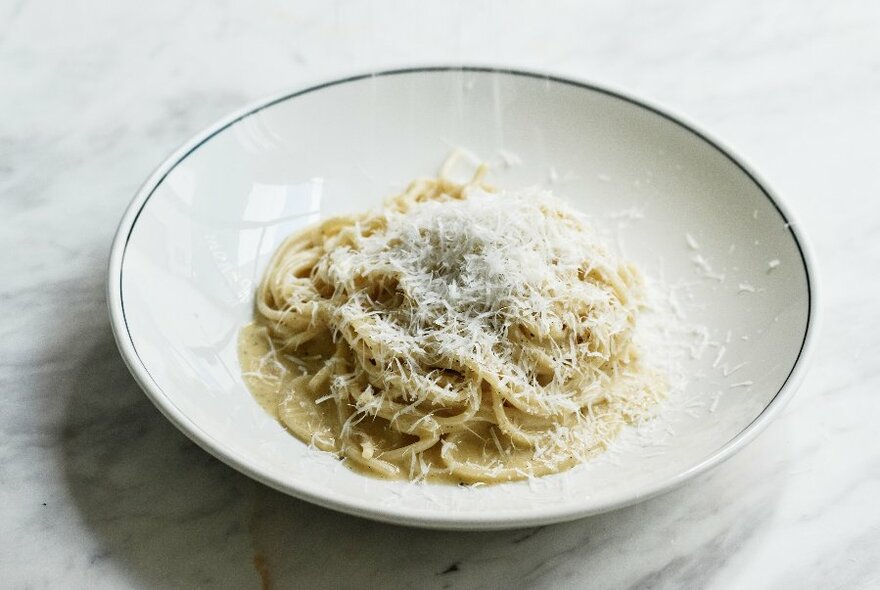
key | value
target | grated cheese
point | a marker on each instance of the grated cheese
(706, 269)
(469, 281)
(509, 159)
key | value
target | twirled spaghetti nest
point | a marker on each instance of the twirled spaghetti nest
(457, 334)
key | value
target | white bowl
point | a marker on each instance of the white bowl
(192, 245)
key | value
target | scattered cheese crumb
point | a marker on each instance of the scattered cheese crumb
(703, 265)
(715, 401)
(746, 288)
(691, 242)
(773, 264)
(718, 356)
(675, 305)
(509, 159)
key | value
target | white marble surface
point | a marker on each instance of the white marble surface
(97, 490)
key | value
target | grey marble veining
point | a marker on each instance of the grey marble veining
(98, 490)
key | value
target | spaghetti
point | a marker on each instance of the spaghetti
(459, 334)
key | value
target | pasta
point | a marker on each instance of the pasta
(459, 334)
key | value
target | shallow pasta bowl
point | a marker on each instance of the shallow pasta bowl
(191, 248)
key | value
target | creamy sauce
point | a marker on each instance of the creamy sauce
(277, 384)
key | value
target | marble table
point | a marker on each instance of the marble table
(98, 490)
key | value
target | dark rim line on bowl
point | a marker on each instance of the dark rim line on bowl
(715, 458)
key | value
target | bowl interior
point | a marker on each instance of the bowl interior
(205, 231)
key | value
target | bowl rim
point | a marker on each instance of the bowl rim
(486, 520)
